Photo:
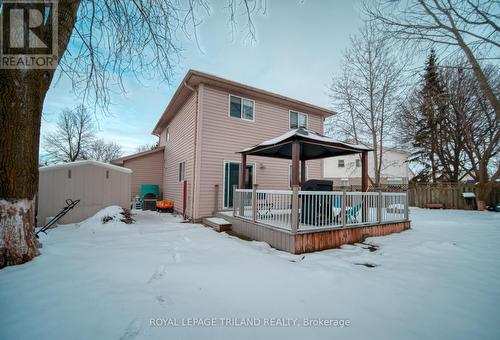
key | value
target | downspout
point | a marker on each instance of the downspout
(193, 90)
(193, 188)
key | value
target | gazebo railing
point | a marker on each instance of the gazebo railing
(296, 210)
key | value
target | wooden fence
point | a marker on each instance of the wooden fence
(450, 195)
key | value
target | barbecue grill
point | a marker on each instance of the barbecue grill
(316, 210)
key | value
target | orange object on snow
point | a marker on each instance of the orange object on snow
(165, 204)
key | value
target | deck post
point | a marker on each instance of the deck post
(243, 170)
(295, 163)
(254, 202)
(234, 199)
(294, 218)
(379, 207)
(343, 209)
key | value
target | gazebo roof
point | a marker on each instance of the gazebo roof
(313, 146)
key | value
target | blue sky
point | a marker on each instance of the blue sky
(298, 49)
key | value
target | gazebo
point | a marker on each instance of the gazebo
(301, 145)
(300, 220)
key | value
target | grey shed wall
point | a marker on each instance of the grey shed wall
(88, 183)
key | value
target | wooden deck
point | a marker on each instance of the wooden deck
(310, 241)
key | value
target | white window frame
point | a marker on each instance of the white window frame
(298, 119)
(357, 161)
(290, 174)
(241, 110)
(342, 180)
(183, 164)
(167, 134)
(253, 164)
(343, 163)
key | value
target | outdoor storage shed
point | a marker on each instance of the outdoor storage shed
(97, 185)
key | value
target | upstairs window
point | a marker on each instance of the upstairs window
(241, 108)
(358, 163)
(298, 120)
(167, 134)
(341, 163)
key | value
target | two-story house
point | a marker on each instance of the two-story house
(208, 120)
(346, 170)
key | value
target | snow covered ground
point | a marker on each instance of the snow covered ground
(439, 280)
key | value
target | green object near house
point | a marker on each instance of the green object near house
(149, 194)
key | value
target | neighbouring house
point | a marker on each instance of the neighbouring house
(97, 185)
(346, 170)
(207, 122)
(146, 166)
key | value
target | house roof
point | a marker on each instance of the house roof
(121, 160)
(193, 78)
(314, 146)
(85, 162)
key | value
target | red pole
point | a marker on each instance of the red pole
(184, 198)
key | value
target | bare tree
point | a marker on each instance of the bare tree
(73, 136)
(102, 151)
(469, 134)
(147, 147)
(367, 92)
(469, 26)
(479, 127)
(430, 128)
(98, 42)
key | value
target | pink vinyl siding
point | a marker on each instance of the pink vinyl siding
(180, 148)
(223, 136)
(147, 169)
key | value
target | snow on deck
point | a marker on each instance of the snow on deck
(439, 280)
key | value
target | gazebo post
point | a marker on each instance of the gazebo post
(295, 163)
(243, 169)
(364, 171)
(295, 186)
(364, 183)
(302, 171)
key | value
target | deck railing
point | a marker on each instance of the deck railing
(297, 210)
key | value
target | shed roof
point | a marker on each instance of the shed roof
(313, 146)
(121, 160)
(85, 162)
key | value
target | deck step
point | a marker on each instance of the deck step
(217, 223)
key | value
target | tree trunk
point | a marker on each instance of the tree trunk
(22, 92)
(483, 188)
(376, 171)
(20, 126)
